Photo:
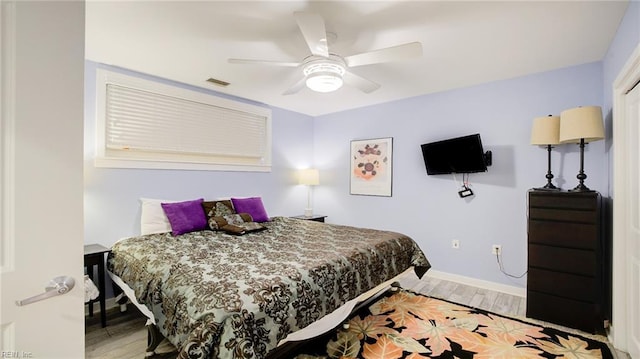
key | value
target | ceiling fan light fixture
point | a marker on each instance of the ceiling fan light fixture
(324, 82)
(324, 76)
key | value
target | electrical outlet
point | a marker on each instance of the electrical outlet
(455, 244)
(496, 249)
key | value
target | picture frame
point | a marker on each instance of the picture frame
(371, 168)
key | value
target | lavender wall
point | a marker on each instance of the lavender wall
(112, 208)
(625, 42)
(428, 208)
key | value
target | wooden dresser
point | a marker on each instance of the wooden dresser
(569, 271)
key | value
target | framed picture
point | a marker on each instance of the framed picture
(371, 167)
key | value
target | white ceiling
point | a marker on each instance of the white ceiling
(464, 43)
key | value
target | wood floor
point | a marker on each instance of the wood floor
(126, 336)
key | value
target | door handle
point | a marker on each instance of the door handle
(57, 286)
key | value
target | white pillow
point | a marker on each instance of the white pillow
(153, 219)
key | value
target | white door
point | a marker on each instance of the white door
(41, 176)
(632, 102)
(626, 208)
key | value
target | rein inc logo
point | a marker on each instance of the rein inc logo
(16, 354)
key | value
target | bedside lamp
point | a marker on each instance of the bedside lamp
(309, 177)
(546, 132)
(581, 125)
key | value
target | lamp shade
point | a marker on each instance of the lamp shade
(309, 177)
(581, 123)
(546, 130)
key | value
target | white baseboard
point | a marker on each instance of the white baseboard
(498, 287)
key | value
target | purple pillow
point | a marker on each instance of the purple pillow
(251, 205)
(184, 217)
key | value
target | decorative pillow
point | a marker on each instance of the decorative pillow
(243, 228)
(187, 216)
(251, 205)
(218, 208)
(216, 223)
(152, 219)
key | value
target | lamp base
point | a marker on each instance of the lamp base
(549, 186)
(308, 212)
(549, 176)
(581, 175)
(581, 188)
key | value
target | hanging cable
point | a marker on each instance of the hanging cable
(501, 267)
(465, 191)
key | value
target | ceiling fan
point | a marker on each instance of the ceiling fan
(324, 71)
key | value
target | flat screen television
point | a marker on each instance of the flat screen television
(456, 155)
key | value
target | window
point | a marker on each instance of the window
(146, 124)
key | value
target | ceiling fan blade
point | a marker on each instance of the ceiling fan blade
(364, 85)
(312, 28)
(263, 62)
(399, 52)
(295, 88)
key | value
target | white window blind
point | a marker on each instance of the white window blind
(168, 127)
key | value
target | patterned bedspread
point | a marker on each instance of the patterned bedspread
(216, 295)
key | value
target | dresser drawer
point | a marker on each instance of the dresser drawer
(576, 201)
(563, 311)
(563, 215)
(567, 260)
(565, 285)
(563, 234)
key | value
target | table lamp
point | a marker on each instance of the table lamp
(546, 132)
(581, 125)
(309, 177)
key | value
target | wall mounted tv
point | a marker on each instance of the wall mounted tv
(456, 155)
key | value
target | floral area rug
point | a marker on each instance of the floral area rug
(403, 324)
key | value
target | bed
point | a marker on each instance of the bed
(218, 295)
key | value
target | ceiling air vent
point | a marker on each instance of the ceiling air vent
(218, 82)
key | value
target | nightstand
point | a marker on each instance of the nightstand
(94, 256)
(315, 217)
